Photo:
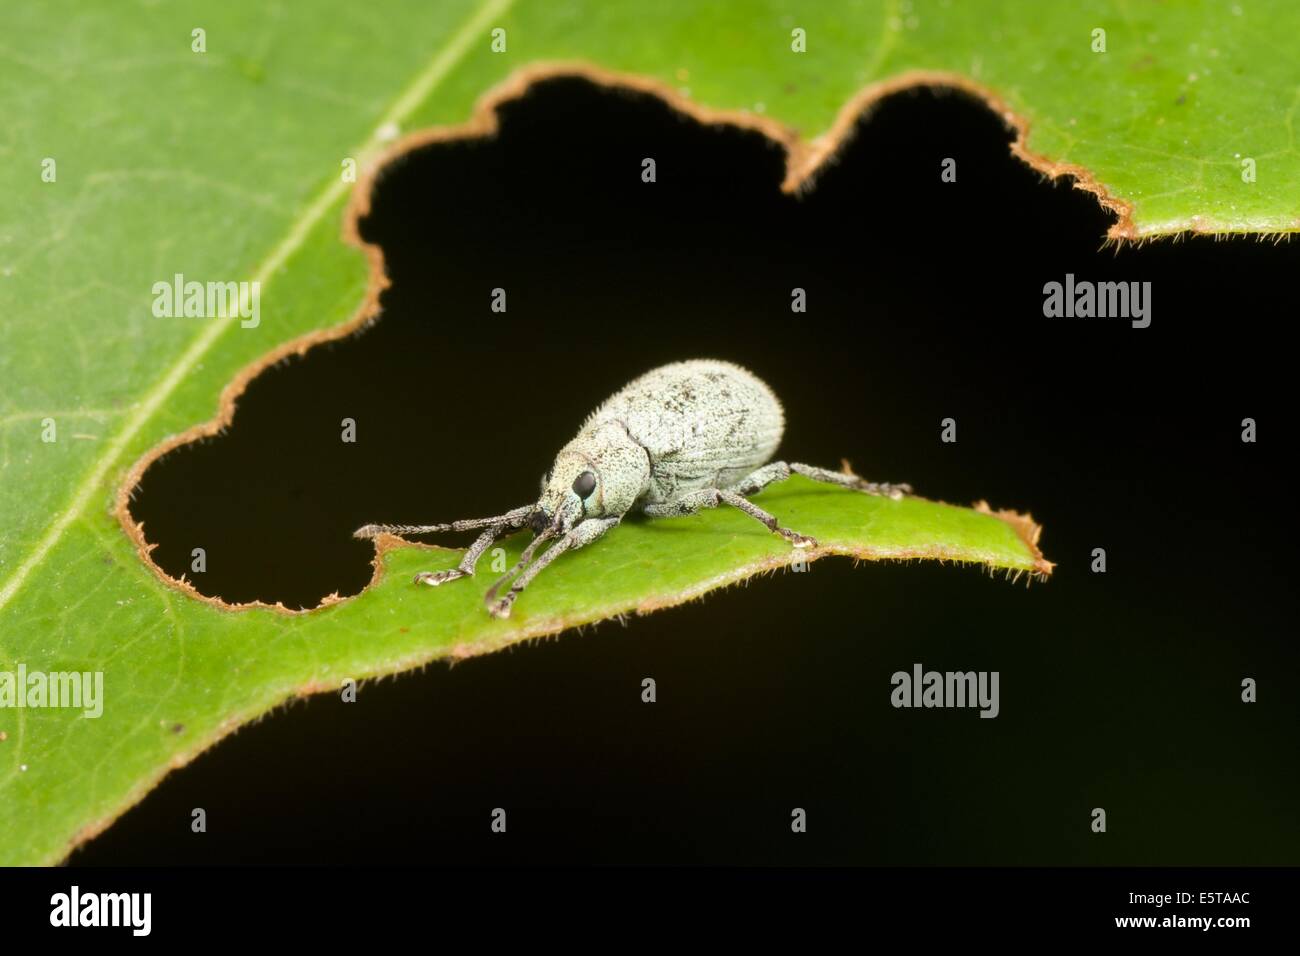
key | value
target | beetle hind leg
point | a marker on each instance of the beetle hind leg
(780, 471)
(753, 483)
(847, 479)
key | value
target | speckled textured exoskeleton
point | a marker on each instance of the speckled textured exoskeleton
(683, 437)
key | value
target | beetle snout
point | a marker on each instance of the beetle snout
(569, 513)
(540, 521)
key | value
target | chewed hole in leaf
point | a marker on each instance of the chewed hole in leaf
(447, 409)
(459, 409)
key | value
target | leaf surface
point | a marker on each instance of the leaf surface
(227, 164)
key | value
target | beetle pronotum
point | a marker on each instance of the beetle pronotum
(682, 437)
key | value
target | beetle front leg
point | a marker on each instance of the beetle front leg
(581, 535)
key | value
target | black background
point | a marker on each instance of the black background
(925, 298)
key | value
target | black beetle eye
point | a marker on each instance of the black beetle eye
(584, 484)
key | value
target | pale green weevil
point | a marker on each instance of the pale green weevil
(682, 437)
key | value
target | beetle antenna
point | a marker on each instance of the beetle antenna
(374, 530)
(511, 519)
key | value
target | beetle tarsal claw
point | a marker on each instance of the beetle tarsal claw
(434, 578)
(803, 541)
(501, 609)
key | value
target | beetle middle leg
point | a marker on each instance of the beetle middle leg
(692, 502)
(580, 535)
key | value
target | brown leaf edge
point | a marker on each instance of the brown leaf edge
(804, 159)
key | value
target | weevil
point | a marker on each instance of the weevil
(683, 437)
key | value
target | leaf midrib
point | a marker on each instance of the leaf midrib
(442, 62)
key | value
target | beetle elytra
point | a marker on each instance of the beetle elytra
(682, 437)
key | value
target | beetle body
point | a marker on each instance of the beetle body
(677, 429)
(682, 437)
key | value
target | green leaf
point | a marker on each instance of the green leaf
(226, 164)
(179, 673)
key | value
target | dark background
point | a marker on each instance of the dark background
(1119, 690)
